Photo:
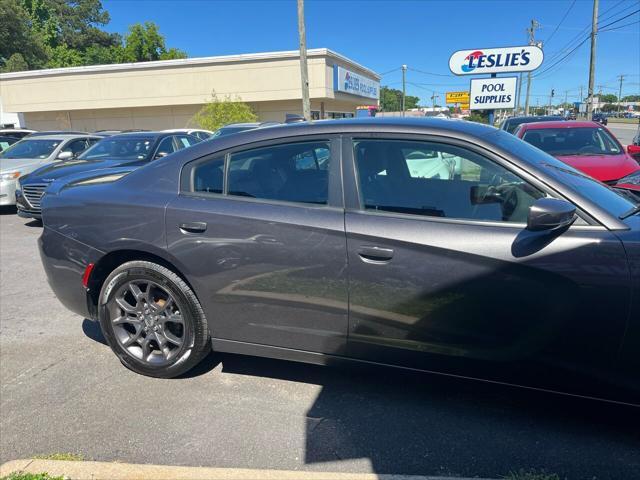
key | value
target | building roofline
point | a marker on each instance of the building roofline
(184, 62)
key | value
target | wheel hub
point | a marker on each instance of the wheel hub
(147, 321)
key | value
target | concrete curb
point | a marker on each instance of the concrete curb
(129, 471)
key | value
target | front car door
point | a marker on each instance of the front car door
(260, 231)
(445, 277)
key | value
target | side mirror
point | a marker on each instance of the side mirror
(633, 150)
(161, 154)
(550, 214)
(65, 156)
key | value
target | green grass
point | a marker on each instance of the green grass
(623, 120)
(31, 476)
(69, 457)
(531, 475)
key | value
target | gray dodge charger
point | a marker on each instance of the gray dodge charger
(444, 246)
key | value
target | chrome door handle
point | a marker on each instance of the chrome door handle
(193, 227)
(374, 254)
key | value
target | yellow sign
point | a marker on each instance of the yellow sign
(457, 97)
(464, 106)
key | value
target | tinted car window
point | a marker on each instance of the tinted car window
(573, 141)
(120, 148)
(165, 147)
(208, 176)
(185, 141)
(293, 172)
(202, 135)
(75, 146)
(439, 180)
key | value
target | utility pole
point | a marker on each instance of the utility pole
(592, 60)
(550, 99)
(404, 87)
(433, 100)
(620, 93)
(532, 41)
(519, 95)
(564, 106)
(304, 72)
(579, 112)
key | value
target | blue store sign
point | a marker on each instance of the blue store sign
(346, 81)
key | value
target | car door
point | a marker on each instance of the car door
(259, 231)
(444, 275)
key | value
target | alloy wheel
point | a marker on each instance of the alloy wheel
(147, 322)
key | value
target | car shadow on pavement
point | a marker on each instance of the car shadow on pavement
(34, 223)
(8, 210)
(92, 330)
(416, 423)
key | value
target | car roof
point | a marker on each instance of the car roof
(186, 130)
(140, 135)
(567, 124)
(406, 125)
(62, 136)
(533, 118)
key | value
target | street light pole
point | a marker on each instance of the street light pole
(592, 60)
(304, 72)
(404, 87)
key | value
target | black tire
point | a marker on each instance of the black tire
(196, 344)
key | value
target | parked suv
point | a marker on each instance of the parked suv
(131, 150)
(325, 243)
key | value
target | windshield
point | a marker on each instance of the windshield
(31, 149)
(122, 148)
(573, 141)
(598, 193)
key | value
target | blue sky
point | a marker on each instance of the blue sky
(383, 34)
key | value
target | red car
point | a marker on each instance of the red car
(587, 146)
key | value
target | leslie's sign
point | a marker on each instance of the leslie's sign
(496, 60)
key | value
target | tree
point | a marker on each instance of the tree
(63, 33)
(63, 56)
(609, 107)
(219, 112)
(15, 63)
(391, 100)
(17, 38)
(144, 43)
(631, 98)
(608, 98)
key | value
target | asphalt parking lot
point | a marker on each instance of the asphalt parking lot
(62, 390)
(623, 131)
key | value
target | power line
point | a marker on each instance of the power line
(621, 26)
(575, 38)
(542, 72)
(619, 19)
(431, 73)
(561, 21)
(390, 71)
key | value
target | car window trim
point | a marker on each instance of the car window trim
(335, 183)
(352, 188)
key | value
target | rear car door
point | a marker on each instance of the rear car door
(445, 277)
(259, 231)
